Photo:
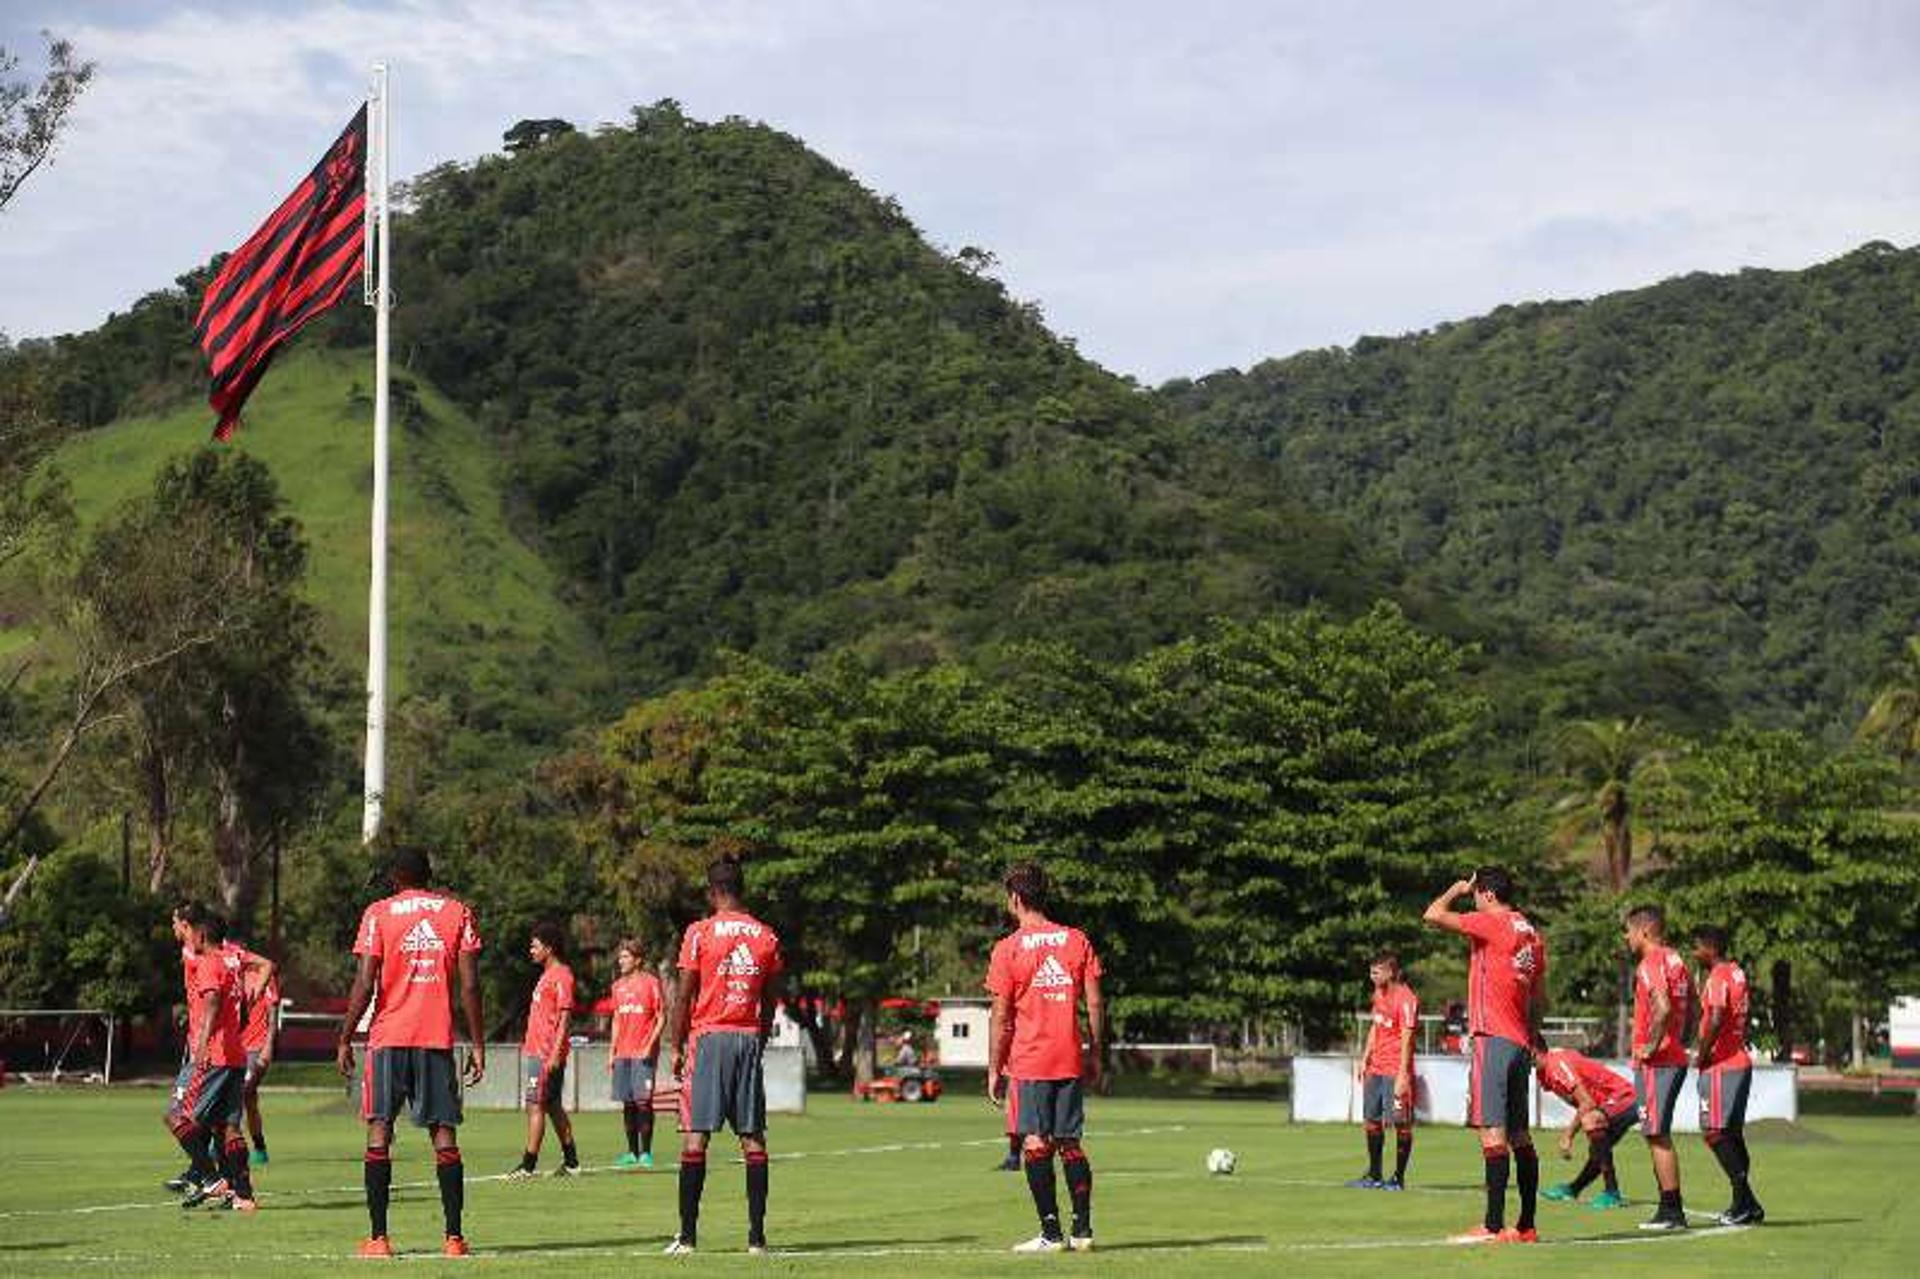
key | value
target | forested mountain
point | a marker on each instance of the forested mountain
(1720, 468)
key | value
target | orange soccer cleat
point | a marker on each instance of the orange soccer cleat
(378, 1246)
(455, 1247)
(1479, 1234)
(1512, 1235)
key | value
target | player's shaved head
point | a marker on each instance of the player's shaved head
(1651, 918)
(1711, 937)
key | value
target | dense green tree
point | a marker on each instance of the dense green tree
(1893, 719)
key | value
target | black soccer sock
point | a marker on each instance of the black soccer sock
(1376, 1143)
(1073, 1162)
(529, 1160)
(1402, 1152)
(756, 1198)
(693, 1181)
(193, 1140)
(1013, 1145)
(1606, 1171)
(452, 1176)
(1588, 1174)
(1670, 1204)
(1499, 1161)
(1738, 1141)
(1726, 1149)
(1046, 1198)
(646, 1129)
(631, 1114)
(379, 1172)
(568, 1155)
(236, 1166)
(1526, 1164)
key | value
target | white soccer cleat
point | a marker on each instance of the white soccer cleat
(1040, 1243)
(678, 1248)
(1080, 1243)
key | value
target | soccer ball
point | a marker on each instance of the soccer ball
(1221, 1162)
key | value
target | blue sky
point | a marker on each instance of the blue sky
(1181, 187)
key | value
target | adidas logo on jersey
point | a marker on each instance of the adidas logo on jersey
(421, 937)
(738, 964)
(1050, 974)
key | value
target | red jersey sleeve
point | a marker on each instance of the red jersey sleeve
(1000, 971)
(563, 993)
(209, 973)
(1479, 926)
(689, 961)
(1093, 960)
(469, 935)
(366, 940)
(1410, 1009)
(1713, 993)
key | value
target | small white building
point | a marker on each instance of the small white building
(961, 1032)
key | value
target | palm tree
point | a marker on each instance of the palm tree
(1894, 718)
(1607, 761)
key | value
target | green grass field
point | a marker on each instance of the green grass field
(885, 1190)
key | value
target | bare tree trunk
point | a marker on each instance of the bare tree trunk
(1783, 1008)
(159, 816)
(850, 1031)
(866, 1057)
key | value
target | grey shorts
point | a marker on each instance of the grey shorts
(1723, 1098)
(538, 1087)
(1498, 1084)
(1658, 1091)
(212, 1095)
(724, 1084)
(1049, 1107)
(632, 1079)
(1378, 1105)
(422, 1079)
(181, 1078)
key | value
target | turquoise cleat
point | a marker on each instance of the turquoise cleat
(1608, 1199)
(627, 1159)
(1560, 1194)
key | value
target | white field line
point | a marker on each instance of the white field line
(268, 1195)
(1410, 1190)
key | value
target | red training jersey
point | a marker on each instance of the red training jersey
(235, 956)
(733, 956)
(1726, 990)
(418, 936)
(637, 1006)
(1506, 963)
(1562, 1068)
(552, 1000)
(1042, 972)
(216, 972)
(262, 999)
(1396, 1011)
(1661, 969)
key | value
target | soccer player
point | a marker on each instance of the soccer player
(1506, 990)
(263, 1005)
(210, 1104)
(1384, 1073)
(1012, 1161)
(638, 1008)
(412, 946)
(1662, 997)
(729, 966)
(543, 1054)
(1603, 1108)
(1725, 1070)
(1038, 976)
(186, 916)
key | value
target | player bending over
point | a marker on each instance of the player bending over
(722, 1014)
(207, 1115)
(411, 946)
(1506, 984)
(1662, 996)
(262, 985)
(1725, 1071)
(1038, 976)
(1603, 1108)
(638, 1008)
(543, 1054)
(1384, 1073)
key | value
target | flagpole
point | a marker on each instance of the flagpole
(380, 297)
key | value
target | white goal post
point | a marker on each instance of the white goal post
(65, 1038)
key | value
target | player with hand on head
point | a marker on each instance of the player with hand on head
(207, 1115)
(263, 1012)
(543, 1054)
(730, 967)
(639, 1010)
(1603, 1108)
(1506, 993)
(412, 946)
(1384, 1072)
(1662, 999)
(1724, 1070)
(1039, 975)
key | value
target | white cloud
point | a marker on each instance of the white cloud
(1179, 187)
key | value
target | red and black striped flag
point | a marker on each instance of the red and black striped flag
(295, 266)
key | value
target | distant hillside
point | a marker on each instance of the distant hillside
(1726, 469)
(478, 618)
